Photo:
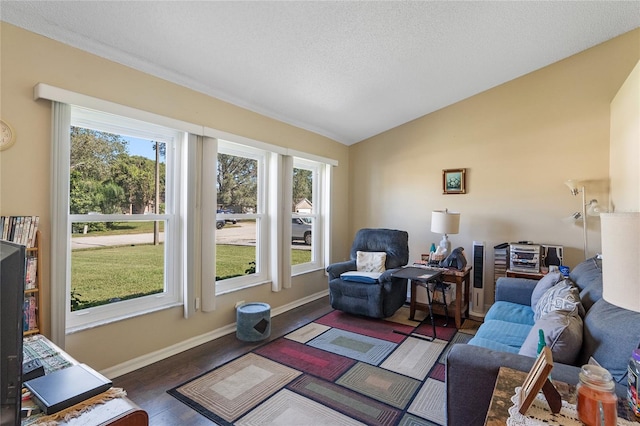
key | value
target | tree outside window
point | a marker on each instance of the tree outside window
(108, 178)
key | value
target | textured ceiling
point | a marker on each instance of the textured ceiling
(346, 70)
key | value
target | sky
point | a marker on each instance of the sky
(141, 147)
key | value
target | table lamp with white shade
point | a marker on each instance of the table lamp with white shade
(445, 222)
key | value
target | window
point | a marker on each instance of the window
(306, 220)
(240, 245)
(124, 234)
(270, 216)
(173, 198)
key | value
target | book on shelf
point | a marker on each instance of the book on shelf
(32, 269)
(20, 229)
(12, 228)
(17, 233)
(34, 229)
(29, 317)
(24, 239)
(5, 227)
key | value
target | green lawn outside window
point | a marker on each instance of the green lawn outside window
(110, 274)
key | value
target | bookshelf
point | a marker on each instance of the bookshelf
(24, 230)
(32, 321)
(500, 262)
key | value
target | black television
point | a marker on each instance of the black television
(13, 259)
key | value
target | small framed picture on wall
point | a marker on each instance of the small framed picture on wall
(453, 181)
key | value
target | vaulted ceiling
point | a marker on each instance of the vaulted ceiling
(345, 69)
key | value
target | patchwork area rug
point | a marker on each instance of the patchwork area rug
(337, 370)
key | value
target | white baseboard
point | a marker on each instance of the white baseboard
(150, 358)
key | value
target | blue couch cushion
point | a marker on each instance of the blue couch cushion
(492, 344)
(588, 277)
(544, 284)
(610, 336)
(510, 312)
(504, 332)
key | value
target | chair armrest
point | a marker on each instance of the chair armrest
(336, 269)
(515, 290)
(471, 373)
(386, 275)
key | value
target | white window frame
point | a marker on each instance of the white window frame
(174, 242)
(273, 218)
(317, 218)
(261, 216)
(194, 205)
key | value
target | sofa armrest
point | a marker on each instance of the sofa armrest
(336, 269)
(515, 290)
(471, 374)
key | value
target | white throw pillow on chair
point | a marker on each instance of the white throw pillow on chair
(371, 261)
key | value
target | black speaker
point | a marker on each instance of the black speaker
(552, 255)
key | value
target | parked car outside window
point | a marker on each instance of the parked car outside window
(301, 230)
(226, 220)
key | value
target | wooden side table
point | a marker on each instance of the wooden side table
(462, 280)
(529, 275)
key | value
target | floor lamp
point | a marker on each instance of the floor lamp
(592, 208)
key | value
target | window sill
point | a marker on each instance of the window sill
(308, 271)
(228, 290)
(84, 327)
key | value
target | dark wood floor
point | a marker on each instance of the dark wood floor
(148, 386)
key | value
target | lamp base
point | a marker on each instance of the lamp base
(445, 244)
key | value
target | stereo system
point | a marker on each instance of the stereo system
(527, 257)
(524, 257)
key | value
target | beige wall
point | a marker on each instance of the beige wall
(625, 145)
(28, 59)
(519, 142)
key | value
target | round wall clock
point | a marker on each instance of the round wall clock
(7, 135)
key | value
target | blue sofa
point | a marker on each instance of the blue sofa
(609, 335)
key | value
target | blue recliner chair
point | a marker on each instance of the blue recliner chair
(383, 297)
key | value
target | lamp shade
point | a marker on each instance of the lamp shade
(595, 209)
(445, 222)
(621, 259)
(573, 186)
